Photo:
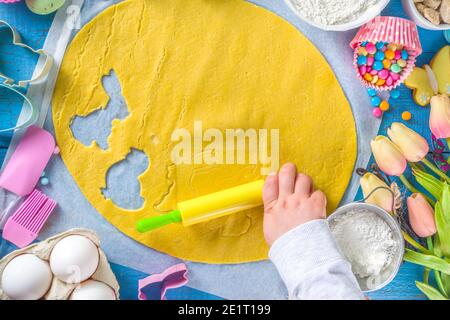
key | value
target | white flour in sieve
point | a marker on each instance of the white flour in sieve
(332, 12)
(366, 240)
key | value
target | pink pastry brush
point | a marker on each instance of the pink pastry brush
(23, 227)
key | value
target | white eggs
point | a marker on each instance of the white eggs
(26, 277)
(74, 259)
(93, 290)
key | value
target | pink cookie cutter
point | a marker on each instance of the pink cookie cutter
(154, 287)
(28, 161)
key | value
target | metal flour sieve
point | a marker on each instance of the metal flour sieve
(389, 273)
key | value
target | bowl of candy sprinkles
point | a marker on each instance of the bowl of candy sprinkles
(385, 52)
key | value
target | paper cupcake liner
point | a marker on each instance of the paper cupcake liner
(392, 30)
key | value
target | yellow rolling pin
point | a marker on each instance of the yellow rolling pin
(208, 207)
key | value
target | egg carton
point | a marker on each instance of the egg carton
(60, 290)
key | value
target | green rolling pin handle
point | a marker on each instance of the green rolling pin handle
(153, 223)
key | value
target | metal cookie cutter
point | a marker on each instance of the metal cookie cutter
(33, 111)
(43, 72)
(10, 84)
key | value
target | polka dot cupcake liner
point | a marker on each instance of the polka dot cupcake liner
(387, 30)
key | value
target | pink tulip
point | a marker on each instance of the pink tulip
(421, 215)
(440, 116)
(388, 156)
(413, 146)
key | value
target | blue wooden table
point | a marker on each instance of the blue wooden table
(19, 63)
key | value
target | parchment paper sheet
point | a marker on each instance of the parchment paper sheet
(243, 281)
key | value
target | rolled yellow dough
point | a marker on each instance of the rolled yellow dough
(227, 63)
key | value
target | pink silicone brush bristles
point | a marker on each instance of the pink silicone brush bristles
(23, 227)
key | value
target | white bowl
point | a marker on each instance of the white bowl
(363, 19)
(391, 271)
(414, 14)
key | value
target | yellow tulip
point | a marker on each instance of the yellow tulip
(421, 215)
(413, 146)
(440, 116)
(388, 156)
(381, 197)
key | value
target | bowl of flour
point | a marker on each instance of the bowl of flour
(371, 240)
(337, 15)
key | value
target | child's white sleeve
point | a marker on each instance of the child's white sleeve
(311, 265)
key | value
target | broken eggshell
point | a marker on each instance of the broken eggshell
(44, 6)
(60, 290)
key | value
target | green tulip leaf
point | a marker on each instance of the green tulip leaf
(446, 283)
(443, 230)
(428, 261)
(44, 6)
(442, 218)
(445, 203)
(431, 292)
(433, 185)
(437, 246)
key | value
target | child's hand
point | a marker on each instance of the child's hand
(289, 201)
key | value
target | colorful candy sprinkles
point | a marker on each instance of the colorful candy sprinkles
(385, 52)
(395, 94)
(406, 116)
(377, 113)
(387, 45)
(381, 63)
(384, 105)
(380, 106)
